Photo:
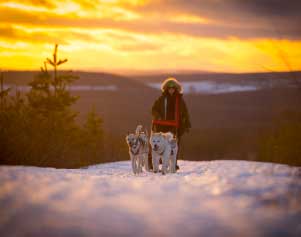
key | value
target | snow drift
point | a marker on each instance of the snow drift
(218, 198)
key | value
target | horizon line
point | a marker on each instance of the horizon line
(151, 72)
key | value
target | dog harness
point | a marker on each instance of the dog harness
(135, 152)
(174, 123)
(140, 142)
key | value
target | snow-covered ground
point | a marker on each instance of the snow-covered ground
(218, 198)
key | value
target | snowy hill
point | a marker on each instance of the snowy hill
(218, 198)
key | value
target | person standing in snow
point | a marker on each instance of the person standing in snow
(170, 112)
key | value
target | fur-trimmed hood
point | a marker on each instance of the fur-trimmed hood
(173, 80)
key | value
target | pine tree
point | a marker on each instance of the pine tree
(49, 101)
(49, 92)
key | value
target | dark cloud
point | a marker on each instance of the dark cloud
(262, 16)
(272, 8)
(232, 18)
(226, 10)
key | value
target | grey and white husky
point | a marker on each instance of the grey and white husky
(138, 149)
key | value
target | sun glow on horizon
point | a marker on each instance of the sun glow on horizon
(127, 35)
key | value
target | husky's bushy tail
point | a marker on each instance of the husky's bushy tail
(169, 136)
(139, 129)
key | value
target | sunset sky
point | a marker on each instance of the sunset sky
(147, 35)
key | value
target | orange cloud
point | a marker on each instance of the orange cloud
(115, 35)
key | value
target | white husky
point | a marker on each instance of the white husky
(138, 149)
(164, 146)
